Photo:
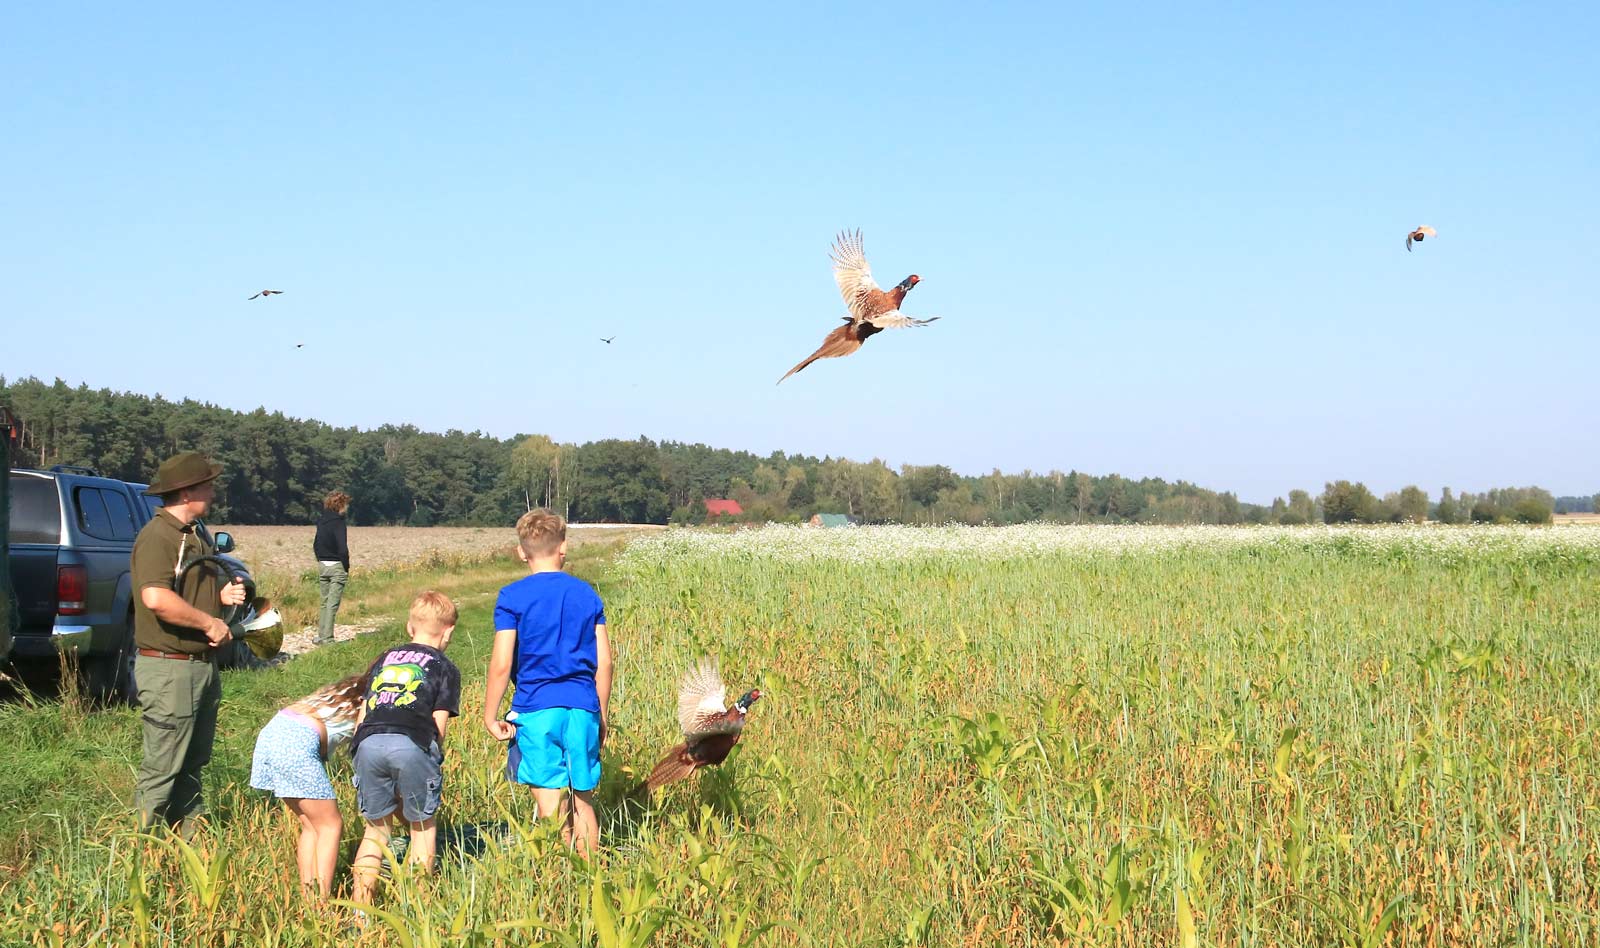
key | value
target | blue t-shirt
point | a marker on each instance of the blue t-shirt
(554, 615)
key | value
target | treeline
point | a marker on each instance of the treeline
(277, 468)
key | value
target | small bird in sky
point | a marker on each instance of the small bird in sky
(871, 309)
(267, 293)
(299, 345)
(1418, 235)
(607, 339)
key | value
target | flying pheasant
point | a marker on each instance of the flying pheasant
(709, 729)
(267, 293)
(871, 309)
(1418, 235)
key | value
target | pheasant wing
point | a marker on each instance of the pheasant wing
(702, 698)
(894, 319)
(840, 342)
(852, 273)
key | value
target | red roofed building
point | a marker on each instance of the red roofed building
(718, 507)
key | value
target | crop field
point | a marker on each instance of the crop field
(287, 550)
(993, 736)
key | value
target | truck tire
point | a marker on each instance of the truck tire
(109, 678)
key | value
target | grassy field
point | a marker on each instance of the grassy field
(1017, 736)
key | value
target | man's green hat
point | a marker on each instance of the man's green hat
(182, 470)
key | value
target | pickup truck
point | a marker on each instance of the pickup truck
(71, 538)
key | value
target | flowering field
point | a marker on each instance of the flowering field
(1007, 736)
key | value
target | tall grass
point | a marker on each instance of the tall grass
(1060, 737)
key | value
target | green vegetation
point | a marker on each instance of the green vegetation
(277, 469)
(1024, 736)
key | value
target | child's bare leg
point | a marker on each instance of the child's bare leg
(585, 826)
(548, 801)
(369, 858)
(552, 804)
(306, 846)
(424, 838)
(328, 827)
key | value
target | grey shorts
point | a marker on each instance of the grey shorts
(392, 772)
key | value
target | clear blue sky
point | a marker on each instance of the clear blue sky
(1163, 241)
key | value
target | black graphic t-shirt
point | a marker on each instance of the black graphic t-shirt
(407, 684)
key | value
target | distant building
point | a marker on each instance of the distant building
(716, 507)
(832, 520)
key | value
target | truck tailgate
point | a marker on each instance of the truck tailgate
(33, 581)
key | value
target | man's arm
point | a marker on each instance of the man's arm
(602, 675)
(494, 686)
(171, 607)
(441, 720)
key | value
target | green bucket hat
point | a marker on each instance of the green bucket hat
(182, 470)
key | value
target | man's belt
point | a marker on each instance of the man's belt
(176, 656)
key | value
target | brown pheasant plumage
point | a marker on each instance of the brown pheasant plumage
(1419, 235)
(871, 309)
(709, 729)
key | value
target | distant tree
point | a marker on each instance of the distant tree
(1531, 510)
(1278, 511)
(923, 484)
(1413, 504)
(1302, 508)
(1448, 511)
(1485, 512)
(1346, 502)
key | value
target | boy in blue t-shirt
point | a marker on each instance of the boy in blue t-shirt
(550, 640)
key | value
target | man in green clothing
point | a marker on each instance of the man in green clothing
(177, 629)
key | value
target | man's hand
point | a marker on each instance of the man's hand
(603, 730)
(499, 730)
(217, 632)
(233, 593)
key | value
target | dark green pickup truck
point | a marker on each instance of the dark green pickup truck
(70, 539)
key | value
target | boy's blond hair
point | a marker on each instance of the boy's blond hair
(540, 532)
(434, 609)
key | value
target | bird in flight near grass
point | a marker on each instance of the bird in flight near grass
(710, 727)
(871, 309)
(1418, 235)
(267, 293)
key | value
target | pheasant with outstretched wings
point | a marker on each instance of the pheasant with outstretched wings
(710, 728)
(872, 310)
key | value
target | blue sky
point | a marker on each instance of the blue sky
(1164, 241)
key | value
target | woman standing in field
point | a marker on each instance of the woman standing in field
(332, 550)
(291, 763)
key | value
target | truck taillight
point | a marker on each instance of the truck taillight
(72, 589)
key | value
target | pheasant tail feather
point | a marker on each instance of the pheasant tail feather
(671, 769)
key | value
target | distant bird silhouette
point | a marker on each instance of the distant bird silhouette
(1418, 235)
(709, 729)
(299, 345)
(267, 293)
(607, 340)
(871, 309)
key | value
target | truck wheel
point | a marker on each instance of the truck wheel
(110, 677)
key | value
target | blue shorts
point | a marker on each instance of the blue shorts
(555, 748)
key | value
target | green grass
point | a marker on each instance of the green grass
(1330, 743)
